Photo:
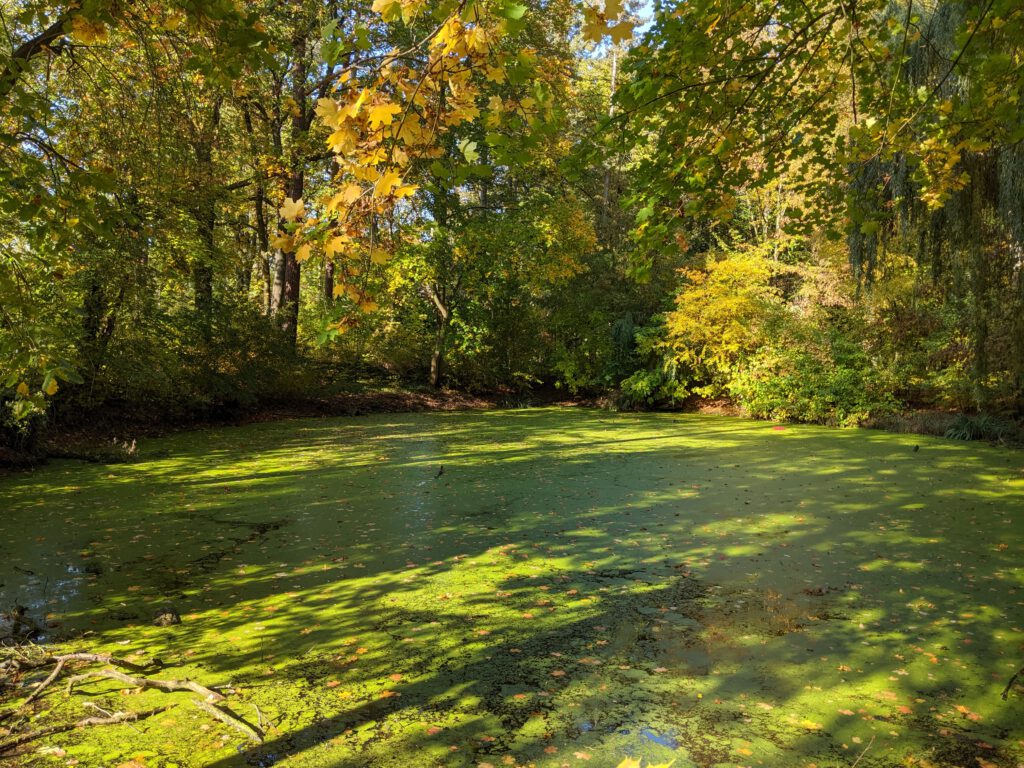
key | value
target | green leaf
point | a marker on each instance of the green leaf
(513, 11)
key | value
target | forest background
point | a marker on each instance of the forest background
(811, 210)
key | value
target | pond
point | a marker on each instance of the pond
(549, 587)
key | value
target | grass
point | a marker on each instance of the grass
(573, 588)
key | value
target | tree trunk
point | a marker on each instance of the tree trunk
(263, 252)
(329, 282)
(296, 185)
(205, 215)
(437, 362)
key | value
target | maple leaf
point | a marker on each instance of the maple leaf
(348, 195)
(388, 181)
(303, 252)
(629, 762)
(282, 242)
(329, 111)
(389, 10)
(621, 32)
(23, 389)
(352, 109)
(86, 31)
(593, 25)
(383, 114)
(335, 245)
(292, 210)
(612, 8)
(343, 140)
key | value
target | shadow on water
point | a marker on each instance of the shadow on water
(571, 583)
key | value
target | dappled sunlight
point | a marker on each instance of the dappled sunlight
(538, 585)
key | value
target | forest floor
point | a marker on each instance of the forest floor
(548, 587)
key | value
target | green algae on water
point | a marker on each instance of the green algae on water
(575, 587)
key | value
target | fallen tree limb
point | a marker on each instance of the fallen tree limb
(98, 658)
(145, 682)
(62, 659)
(206, 702)
(85, 722)
(228, 717)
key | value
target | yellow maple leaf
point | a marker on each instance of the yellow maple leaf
(383, 114)
(86, 31)
(352, 109)
(23, 389)
(629, 762)
(388, 181)
(367, 305)
(348, 195)
(379, 256)
(329, 111)
(389, 10)
(612, 8)
(411, 9)
(51, 388)
(477, 39)
(343, 141)
(336, 245)
(292, 210)
(303, 252)
(282, 242)
(411, 131)
(406, 190)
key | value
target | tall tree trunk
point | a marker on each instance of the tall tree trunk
(202, 266)
(443, 300)
(205, 214)
(259, 207)
(296, 185)
(437, 361)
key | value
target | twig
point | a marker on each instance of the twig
(1009, 685)
(144, 682)
(103, 711)
(87, 722)
(43, 685)
(859, 757)
(228, 717)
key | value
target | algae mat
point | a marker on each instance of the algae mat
(549, 587)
